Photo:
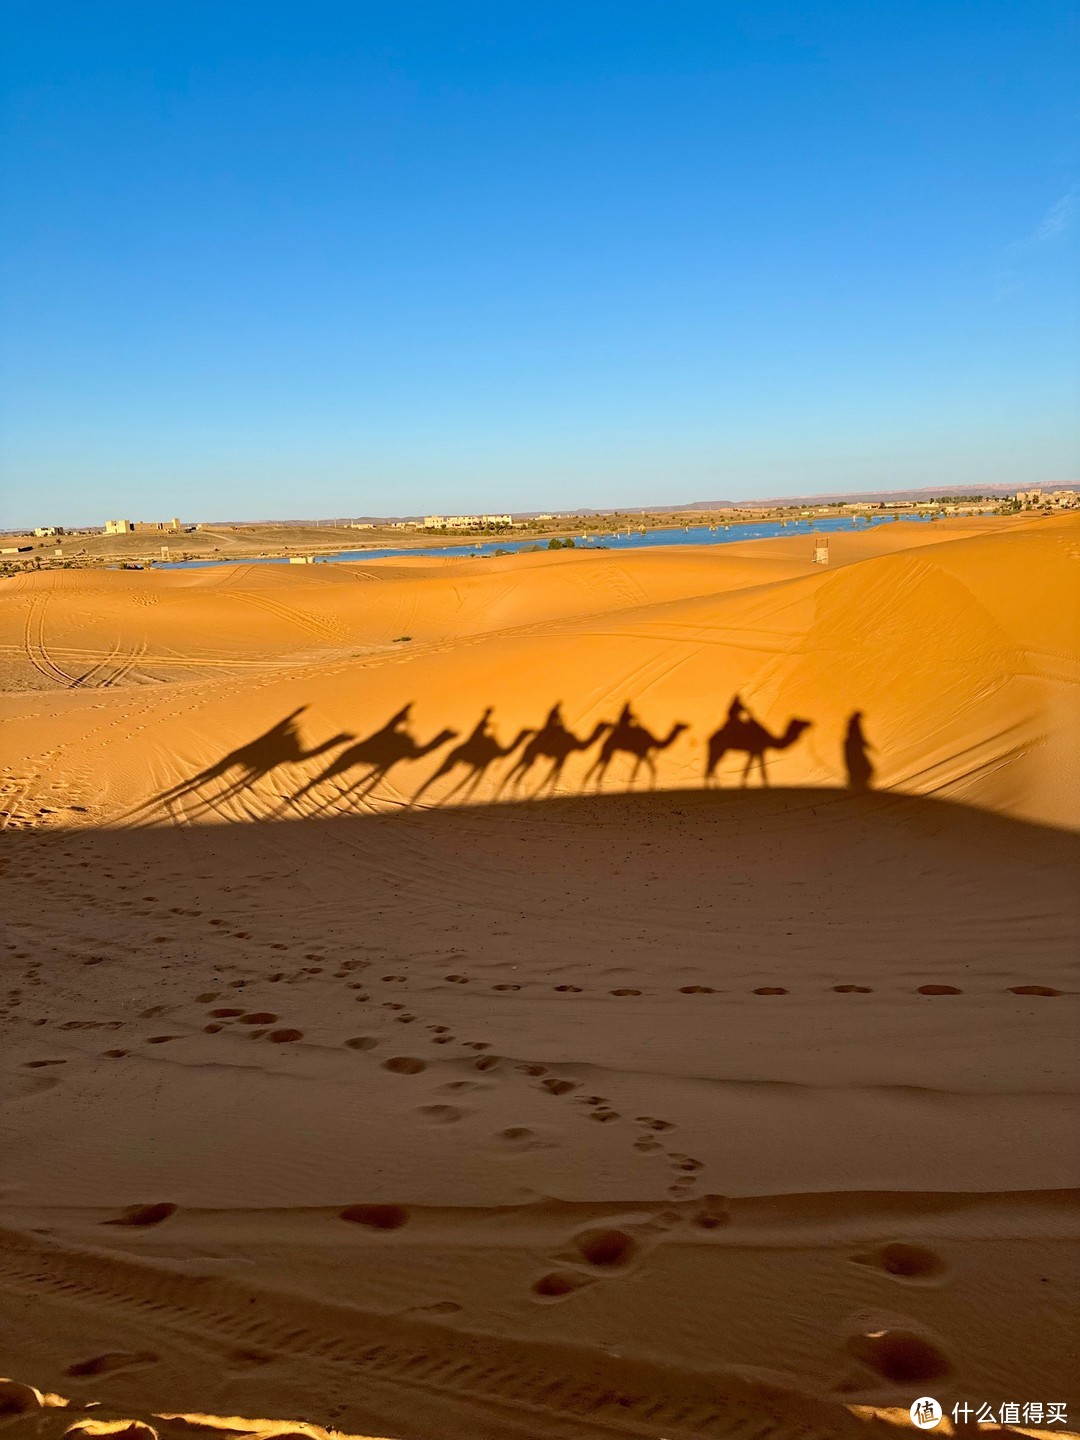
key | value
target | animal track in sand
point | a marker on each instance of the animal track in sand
(404, 1065)
(560, 1283)
(206, 998)
(259, 1017)
(625, 992)
(506, 987)
(655, 1124)
(770, 990)
(40, 1064)
(559, 1087)
(285, 1036)
(696, 990)
(486, 1062)
(225, 1014)
(376, 1217)
(901, 1356)
(393, 979)
(144, 1215)
(457, 979)
(569, 989)
(160, 1039)
(114, 1360)
(531, 1069)
(852, 990)
(362, 1042)
(1032, 990)
(939, 990)
(115, 1054)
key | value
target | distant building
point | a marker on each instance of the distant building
(362, 525)
(468, 522)
(43, 530)
(1063, 499)
(1029, 497)
(142, 527)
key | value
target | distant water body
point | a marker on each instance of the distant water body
(634, 540)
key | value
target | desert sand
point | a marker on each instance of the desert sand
(560, 995)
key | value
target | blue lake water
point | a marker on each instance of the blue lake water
(635, 540)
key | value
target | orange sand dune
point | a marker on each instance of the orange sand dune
(384, 1049)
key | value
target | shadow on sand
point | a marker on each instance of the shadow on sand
(542, 751)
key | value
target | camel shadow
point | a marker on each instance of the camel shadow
(379, 752)
(554, 742)
(742, 733)
(477, 753)
(629, 737)
(280, 745)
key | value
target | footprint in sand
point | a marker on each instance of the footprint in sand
(24, 1086)
(904, 1261)
(939, 990)
(114, 1360)
(852, 990)
(696, 990)
(225, 1014)
(285, 1036)
(625, 992)
(441, 1114)
(770, 990)
(259, 1017)
(569, 989)
(903, 1356)
(404, 1065)
(144, 1215)
(1032, 990)
(376, 1217)
(606, 1249)
(559, 1284)
(457, 979)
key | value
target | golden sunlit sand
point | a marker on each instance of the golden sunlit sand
(560, 995)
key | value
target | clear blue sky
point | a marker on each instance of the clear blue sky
(313, 258)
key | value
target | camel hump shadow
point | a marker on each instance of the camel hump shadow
(743, 734)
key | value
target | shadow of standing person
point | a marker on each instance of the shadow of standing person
(860, 769)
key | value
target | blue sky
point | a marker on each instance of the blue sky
(277, 259)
